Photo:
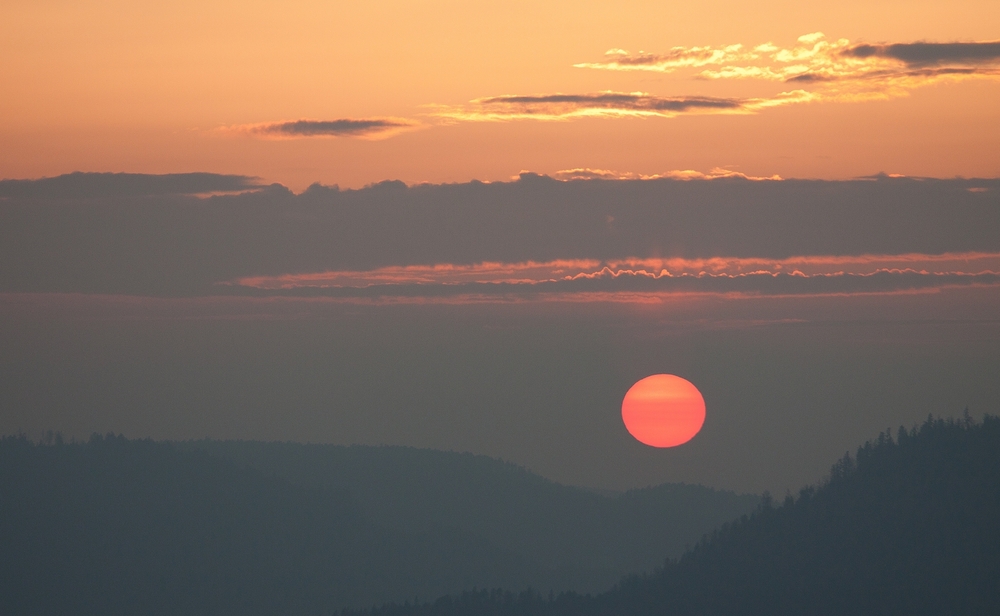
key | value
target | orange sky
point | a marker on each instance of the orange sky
(185, 86)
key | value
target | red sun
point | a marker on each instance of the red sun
(663, 410)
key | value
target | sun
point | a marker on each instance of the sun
(663, 410)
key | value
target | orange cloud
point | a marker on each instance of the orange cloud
(947, 263)
(641, 286)
(513, 273)
(678, 57)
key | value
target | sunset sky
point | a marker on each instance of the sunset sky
(474, 226)
(420, 91)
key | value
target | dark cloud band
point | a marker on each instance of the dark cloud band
(923, 74)
(926, 54)
(616, 100)
(331, 128)
(176, 245)
(105, 185)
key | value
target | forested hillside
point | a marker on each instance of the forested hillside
(907, 526)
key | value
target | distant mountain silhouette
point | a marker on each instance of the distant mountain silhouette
(911, 525)
(135, 527)
(591, 540)
(117, 526)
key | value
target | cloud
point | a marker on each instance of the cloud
(838, 70)
(377, 128)
(821, 70)
(630, 285)
(612, 100)
(81, 185)
(946, 263)
(557, 107)
(178, 246)
(925, 74)
(678, 57)
(733, 57)
(928, 54)
(567, 175)
(562, 106)
(594, 280)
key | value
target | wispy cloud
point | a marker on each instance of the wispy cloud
(555, 107)
(567, 175)
(629, 285)
(841, 70)
(676, 58)
(368, 128)
(587, 278)
(946, 263)
(527, 272)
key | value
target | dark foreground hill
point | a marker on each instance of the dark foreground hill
(115, 526)
(911, 525)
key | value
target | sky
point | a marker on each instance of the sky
(218, 86)
(472, 226)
